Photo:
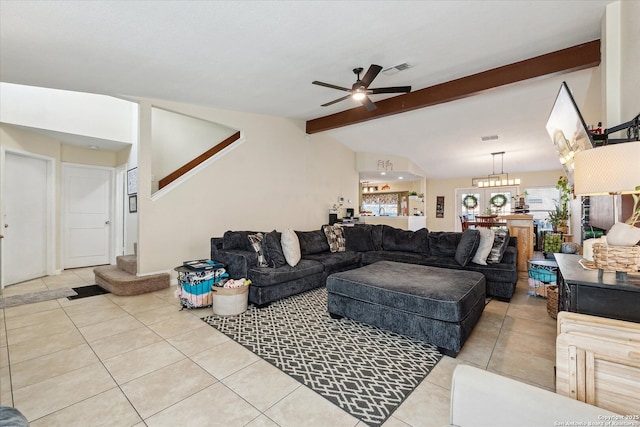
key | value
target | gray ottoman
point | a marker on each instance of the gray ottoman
(436, 305)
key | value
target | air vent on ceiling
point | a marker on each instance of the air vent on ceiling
(396, 69)
(489, 138)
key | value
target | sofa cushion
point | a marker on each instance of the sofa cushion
(272, 250)
(395, 239)
(444, 243)
(376, 236)
(261, 276)
(397, 256)
(237, 240)
(256, 244)
(486, 243)
(290, 247)
(467, 247)
(312, 242)
(335, 238)
(500, 243)
(337, 261)
(358, 238)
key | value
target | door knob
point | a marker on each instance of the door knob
(6, 226)
(107, 222)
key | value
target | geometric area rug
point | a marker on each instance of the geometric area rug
(366, 371)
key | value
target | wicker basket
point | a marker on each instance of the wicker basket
(552, 301)
(616, 258)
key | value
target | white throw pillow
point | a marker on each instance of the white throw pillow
(291, 247)
(484, 249)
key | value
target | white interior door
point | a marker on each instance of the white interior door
(25, 218)
(87, 215)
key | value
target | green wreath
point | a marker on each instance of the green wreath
(498, 201)
(470, 201)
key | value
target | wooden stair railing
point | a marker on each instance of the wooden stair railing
(198, 160)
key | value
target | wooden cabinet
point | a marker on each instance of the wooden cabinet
(598, 362)
(521, 227)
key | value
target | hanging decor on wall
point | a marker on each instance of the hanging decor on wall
(440, 207)
(498, 201)
(470, 202)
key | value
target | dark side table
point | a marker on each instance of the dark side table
(581, 291)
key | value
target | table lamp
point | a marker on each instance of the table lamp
(612, 169)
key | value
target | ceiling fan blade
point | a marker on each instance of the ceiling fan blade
(336, 100)
(372, 73)
(368, 104)
(395, 89)
(330, 86)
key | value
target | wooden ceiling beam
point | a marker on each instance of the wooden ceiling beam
(574, 58)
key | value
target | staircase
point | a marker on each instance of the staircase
(122, 278)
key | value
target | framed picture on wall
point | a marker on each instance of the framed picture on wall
(440, 207)
(133, 203)
(132, 181)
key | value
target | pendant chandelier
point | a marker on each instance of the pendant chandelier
(498, 179)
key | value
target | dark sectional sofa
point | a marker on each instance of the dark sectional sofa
(364, 244)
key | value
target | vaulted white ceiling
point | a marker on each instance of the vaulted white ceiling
(262, 56)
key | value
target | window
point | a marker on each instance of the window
(541, 200)
(381, 204)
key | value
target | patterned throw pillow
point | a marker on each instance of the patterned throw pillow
(256, 244)
(335, 238)
(500, 243)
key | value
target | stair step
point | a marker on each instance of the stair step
(120, 282)
(128, 263)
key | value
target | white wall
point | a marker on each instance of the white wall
(621, 63)
(275, 177)
(97, 116)
(178, 139)
(630, 61)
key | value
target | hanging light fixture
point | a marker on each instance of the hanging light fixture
(498, 179)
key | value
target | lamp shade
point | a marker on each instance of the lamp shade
(612, 169)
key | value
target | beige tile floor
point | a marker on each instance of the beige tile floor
(140, 361)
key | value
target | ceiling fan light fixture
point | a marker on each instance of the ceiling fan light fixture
(359, 95)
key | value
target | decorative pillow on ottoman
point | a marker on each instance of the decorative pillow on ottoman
(291, 247)
(484, 249)
(272, 249)
(335, 238)
(500, 243)
(467, 247)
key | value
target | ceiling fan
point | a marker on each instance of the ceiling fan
(360, 89)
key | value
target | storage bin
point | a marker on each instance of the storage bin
(230, 301)
(194, 287)
(542, 274)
